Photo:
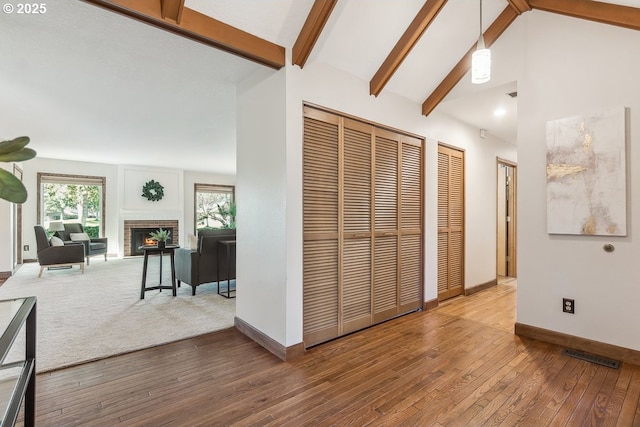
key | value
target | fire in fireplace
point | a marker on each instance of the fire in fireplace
(140, 237)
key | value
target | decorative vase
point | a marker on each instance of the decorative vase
(161, 244)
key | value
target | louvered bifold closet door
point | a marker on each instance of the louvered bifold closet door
(320, 226)
(386, 261)
(443, 223)
(363, 216)
(450, 222)
(411, 277)
(357, 212)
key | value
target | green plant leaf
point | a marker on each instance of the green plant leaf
(11, 188)
(14, 144)
(160, 234)
(18, 156)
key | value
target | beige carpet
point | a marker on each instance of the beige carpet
(82, 317)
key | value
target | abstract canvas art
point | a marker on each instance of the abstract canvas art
(586, 174)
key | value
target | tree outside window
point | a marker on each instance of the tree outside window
(214, 206)
(72, 199)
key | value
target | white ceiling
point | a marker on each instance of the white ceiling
(91, 85)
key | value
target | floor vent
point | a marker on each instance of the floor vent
(609, 363)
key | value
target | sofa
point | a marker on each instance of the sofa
(200, 264)
(92, 246)
(54, 255)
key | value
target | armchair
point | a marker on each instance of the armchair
(93, 246)
(57, 256)
(200, 265)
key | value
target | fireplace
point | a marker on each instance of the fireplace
(140, 237)
(131, 242)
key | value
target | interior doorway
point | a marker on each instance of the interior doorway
(17, 226)
(507, 265)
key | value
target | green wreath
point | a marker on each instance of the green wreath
(153, 191)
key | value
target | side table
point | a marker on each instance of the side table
(228, 246)
(154, 250)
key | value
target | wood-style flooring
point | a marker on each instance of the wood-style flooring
(457, 365)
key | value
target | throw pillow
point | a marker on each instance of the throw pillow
(193, 241)
(79, 236)
(56, 241)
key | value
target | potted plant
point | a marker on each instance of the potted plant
(11, 188)
(160, 236)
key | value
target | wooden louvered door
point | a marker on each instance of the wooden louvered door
(411, 224)
(362, 261)
(356, 242)
(385, 282)
(320, 226)
(450, 222)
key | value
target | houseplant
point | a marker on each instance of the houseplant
(11, 188)
(160, 236)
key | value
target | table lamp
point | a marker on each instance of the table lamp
(56, 226)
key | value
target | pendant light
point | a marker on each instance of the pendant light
(481, 59)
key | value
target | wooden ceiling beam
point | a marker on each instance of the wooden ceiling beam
(412, 34)
(172, 9)
(311, 30)
(502, 22)
(201, 28)
(521, 6)
(606, 13)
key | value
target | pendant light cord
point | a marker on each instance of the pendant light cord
(481, 17)
(480, 44)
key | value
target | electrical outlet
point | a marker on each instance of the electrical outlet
(26, 248)
(568, 305)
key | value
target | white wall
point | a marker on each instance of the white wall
(133, 178)
(132, 206)
(575, 67)
(261, 261)
(6, 230)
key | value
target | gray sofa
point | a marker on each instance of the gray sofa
(197, 266)
(94, 246)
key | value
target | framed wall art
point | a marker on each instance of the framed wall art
(586, 174)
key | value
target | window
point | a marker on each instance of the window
(72, 199)
(215, 206)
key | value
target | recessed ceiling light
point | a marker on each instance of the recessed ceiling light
(499, 112)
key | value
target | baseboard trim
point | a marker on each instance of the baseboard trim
(283, 353)
(481, 287)
(5, 275)
(430, 305)
(598, 348)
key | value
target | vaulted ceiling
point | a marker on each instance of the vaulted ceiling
(87, 83)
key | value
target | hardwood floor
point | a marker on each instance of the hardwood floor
(458, 365)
